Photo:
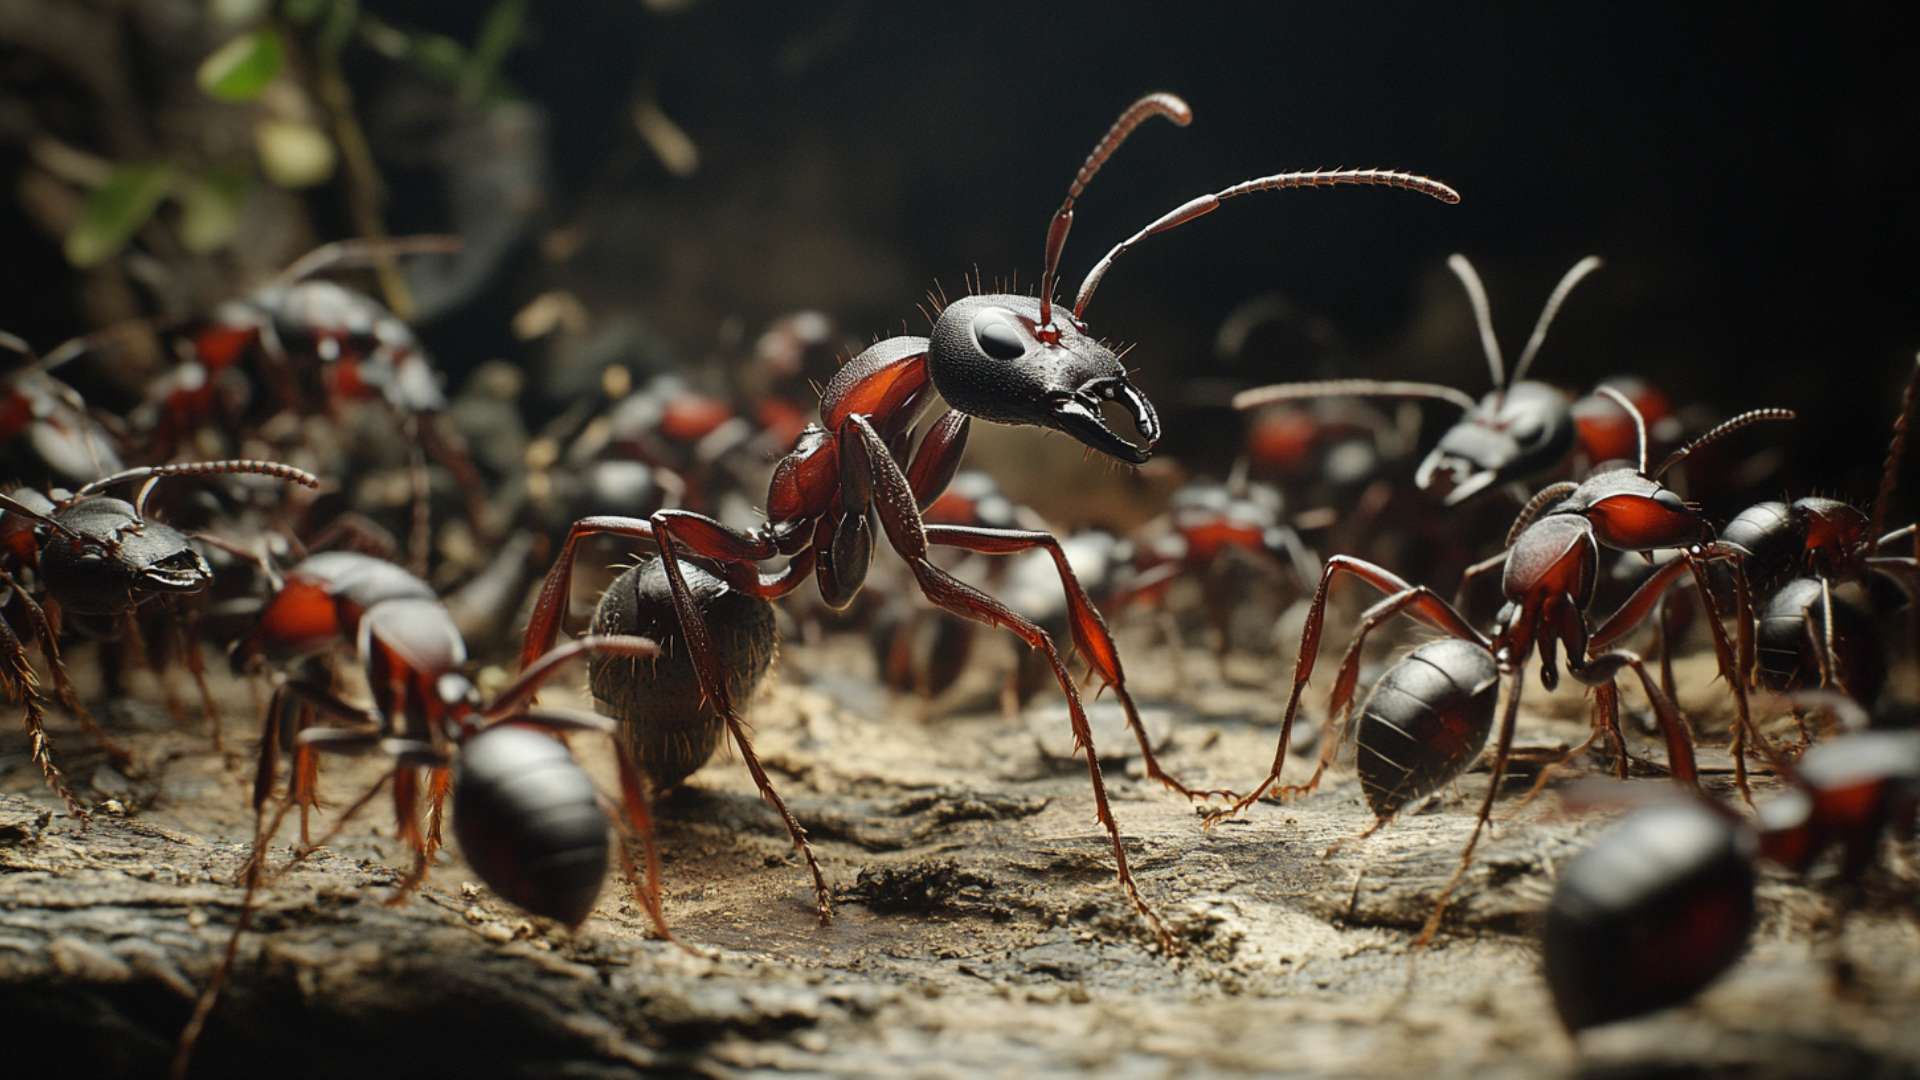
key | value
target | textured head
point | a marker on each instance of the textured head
(1521, 433)
(989, 359)
(119, 561)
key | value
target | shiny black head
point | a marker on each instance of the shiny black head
(105, 561)
(989, 359)
(1522, 433)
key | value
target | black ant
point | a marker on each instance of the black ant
(1521, 431)
(1429, 716)
(1003, 358)
(1662, 903)
(88, 561)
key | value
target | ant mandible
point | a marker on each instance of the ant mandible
(1003, 358)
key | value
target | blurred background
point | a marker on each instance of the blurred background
(680, 172)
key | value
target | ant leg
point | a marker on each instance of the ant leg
(1601, 670)
(1663, 640)
(1501, 751)
(62, 683)
(186, 640)
(439, 782)
(713, 683)
(1730, 668)
(908, 535)
(1426, 605)
(18, 678)
(1089, 629)
(701, 535)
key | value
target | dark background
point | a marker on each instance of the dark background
(1750, 179)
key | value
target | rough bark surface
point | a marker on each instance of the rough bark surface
(978, 930)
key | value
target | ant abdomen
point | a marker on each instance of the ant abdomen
(1424, 722)
(529, 821)
(1791, 639)
(1655, 910)
(668, 726)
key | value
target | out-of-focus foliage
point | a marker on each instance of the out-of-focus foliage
(116, 210)
(241, 69)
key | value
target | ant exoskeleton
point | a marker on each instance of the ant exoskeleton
(46, 433)
(1520, 431)
(1794, 555)
(319, 605)
(529, 820)
(1428, 717)
(1002, 358)
(1663, 902)
(88, 561)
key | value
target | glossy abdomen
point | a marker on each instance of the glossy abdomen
(1424, 722)
(528, 820)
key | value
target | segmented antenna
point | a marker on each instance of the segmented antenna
(1896, 449)
(1264, 395)
(1720, 431)
(1160, 104)
(1542, 499)
(153, 474)
(1206, 204)
(1559, 296)
(1639, 424)
(1482, 315)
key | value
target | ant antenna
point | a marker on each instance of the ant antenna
(1639, 424)
(1207, 204)
(1559, 296)
(349, 254)
(153, 474)
(1896, 449)
(1161, 104)
(1718, 432)
(1482, 315)
(517, 693)
(1265, 395)
(14, 506)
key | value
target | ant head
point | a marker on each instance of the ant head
(1520, 433)
(990, 358)
(100, 559)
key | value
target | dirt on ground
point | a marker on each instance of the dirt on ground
(978, 929)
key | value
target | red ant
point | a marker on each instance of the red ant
(1002, 358)
(529, 820)
(1428, 717)
(45, 428)
(90, 560)
(1805, 634)
(1663, 902)
(1521, 431)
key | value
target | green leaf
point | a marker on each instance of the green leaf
(115, 211)
(210, 208)
(293, 154)
(242, 68)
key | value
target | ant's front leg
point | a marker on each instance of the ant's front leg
(19, 680)
(862, 449)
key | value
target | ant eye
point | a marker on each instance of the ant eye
(998, 338)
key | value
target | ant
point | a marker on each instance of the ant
(45, 427)
(1805, 634)
(94, 560)
(527, 817)
(1520, 431)
(1428, 717)
(1663, 902)
(1006, 359)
